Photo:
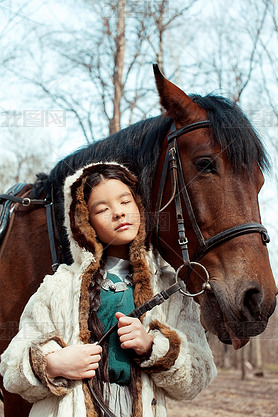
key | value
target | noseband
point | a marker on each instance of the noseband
(172, 163)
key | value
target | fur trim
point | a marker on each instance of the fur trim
(141, 274)
(71, 184)
(137, 402)
(82, 231)
(90, 409)
(167, 361)
(84, 305)
(57, 386)
(84, 234)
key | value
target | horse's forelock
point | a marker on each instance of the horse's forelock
(234, 132)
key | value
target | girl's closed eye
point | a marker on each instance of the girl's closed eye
(126, 201)
(102, 210)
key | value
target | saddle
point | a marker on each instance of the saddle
(7, 207)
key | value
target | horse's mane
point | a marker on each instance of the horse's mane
(234, 132)
(138, 147)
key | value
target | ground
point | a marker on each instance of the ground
(229, 396)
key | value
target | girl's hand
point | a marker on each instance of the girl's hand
(74, 362)
(133, 335)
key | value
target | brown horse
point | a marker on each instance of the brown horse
(222, 164)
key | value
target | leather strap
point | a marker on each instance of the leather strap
(172, 161)
(229, 234)
(101, 405)
(50, 229)
(25, 201)
(187, 202)
(188, 128)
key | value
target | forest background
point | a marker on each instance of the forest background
(74, 72)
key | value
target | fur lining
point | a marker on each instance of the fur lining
(82, 231)
(57, 386)
(84, 304)
(168, 360)
(72, 182)
(137, 254)
(90, 409)
(137, 401)
(84, 234)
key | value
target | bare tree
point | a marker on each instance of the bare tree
(231, 55)
(20, 159)
(99, 69)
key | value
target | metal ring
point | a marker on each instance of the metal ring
(205, 286)
(265, 237)
(26, 201)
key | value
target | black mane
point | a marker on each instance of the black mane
(138, 147)
(234, 132)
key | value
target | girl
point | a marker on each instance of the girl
(164, 353)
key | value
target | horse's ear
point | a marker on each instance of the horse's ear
(179, 105)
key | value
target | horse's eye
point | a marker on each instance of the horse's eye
(206, 165)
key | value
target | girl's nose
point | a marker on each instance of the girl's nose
(118, 215)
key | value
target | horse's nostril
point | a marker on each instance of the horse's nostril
(252, 302)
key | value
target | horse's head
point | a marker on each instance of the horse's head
(222, 168)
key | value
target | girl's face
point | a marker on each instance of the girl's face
(114, 215)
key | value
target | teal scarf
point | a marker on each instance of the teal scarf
(111, 302)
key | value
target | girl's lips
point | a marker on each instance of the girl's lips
(123, 226)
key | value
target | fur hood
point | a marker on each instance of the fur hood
(80, 233)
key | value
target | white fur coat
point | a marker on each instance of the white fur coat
(53, 310)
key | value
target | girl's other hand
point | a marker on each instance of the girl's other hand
(74, 362)
(133, 334)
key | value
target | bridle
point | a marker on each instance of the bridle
(172, 164)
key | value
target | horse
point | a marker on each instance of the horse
(200, 167)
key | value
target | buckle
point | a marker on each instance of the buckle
(183, 241)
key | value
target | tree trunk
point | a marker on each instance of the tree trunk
(243, 376)
(115, 122)
(258, 354)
